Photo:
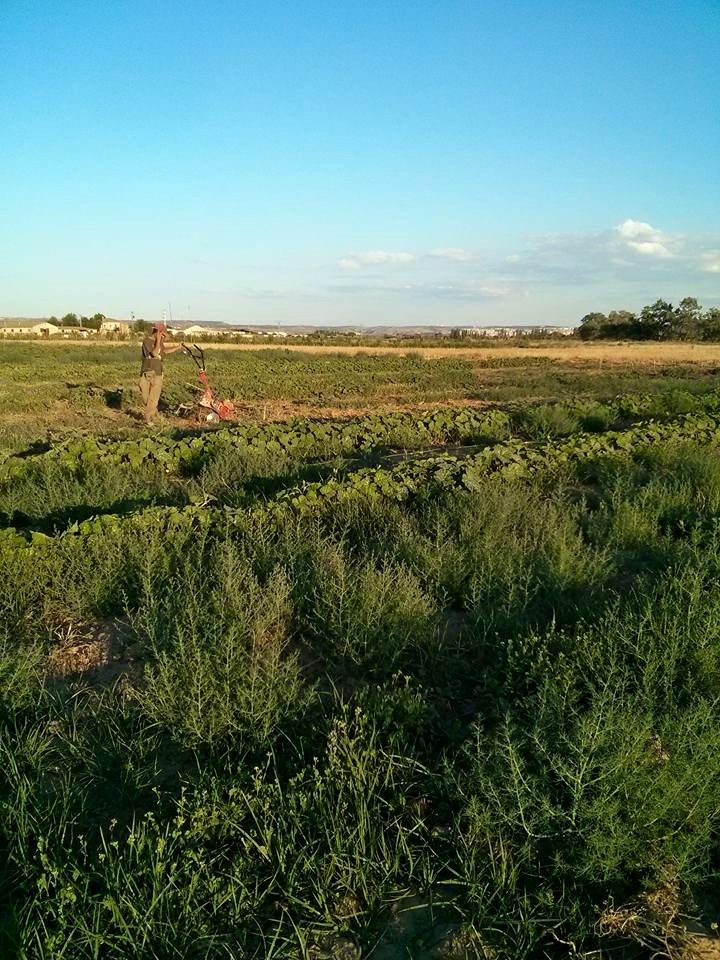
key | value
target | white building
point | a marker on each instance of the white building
(114, 328)
(188, 331)
(490, 331)
(194, 330)
(524, 331)
(10, 326)
(74, 333)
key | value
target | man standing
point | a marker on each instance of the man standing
(151, 374)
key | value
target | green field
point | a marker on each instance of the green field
(404, 683)
(49, 390)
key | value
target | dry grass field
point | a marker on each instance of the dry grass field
(571, 350)
(568, 352)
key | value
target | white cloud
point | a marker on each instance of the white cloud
(375, 257)
(631, 251)
(637, 229)
(472, 290)
(650, 248)
(644, 239)
(710, 261)
(452, 253)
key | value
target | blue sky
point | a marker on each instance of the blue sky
(384, 162)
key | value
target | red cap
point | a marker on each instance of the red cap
(160, 327)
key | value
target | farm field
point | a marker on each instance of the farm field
(52, 389)
(419, 659)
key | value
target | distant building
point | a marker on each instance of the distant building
(11, 326)
(194, 330)
(491, 332)
(82, 332)
(114, 328)
(208, 330)
(245, 334)
(519, 331)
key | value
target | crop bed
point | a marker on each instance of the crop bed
(306, 439)
(301, 439)
(510, 460)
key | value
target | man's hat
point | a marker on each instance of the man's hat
(160, 327)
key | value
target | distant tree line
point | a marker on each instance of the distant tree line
(657, 321)
(73, 320)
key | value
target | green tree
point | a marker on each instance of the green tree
(622, 325)
(93, 322)
(688, 320)
(710, 324)
(592, 326)
(657, 321)
(70, 320)
(141, 326)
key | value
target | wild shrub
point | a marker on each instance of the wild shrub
(24, 578)
(367, 616)
(582, 801)
(548, 420)
(503, 700)
(221, 659)
(52, 494)
(523, 558)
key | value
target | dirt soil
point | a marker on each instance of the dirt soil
(655, 920)
(285, 409)
(100, 653)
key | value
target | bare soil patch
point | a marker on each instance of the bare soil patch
(655, 921)
(286, 409)
(100, 653)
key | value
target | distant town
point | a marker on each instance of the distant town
(74, 327)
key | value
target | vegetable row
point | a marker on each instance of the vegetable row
(306, 439)
(300, 438)
(511, 459)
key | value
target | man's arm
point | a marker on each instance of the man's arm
(173, 347)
